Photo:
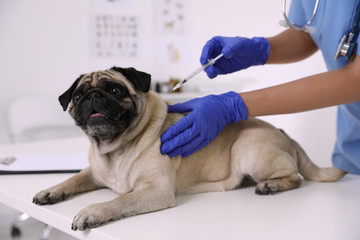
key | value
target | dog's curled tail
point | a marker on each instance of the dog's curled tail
(310, 171)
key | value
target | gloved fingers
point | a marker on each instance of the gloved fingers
(211, 71)
(228, 52)
(236, 46)
(188, 148)
(180, 107)
(205, 54)
(177, 141)
(182, 125)
(210, 50)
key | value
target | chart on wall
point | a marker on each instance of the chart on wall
(115, 35)
(117, 30)
(113, 3)
(173, 17)
(173, 31)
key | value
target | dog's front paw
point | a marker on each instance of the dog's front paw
(49, 196)
(91, 217)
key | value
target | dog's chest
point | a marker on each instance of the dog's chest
(112, 172)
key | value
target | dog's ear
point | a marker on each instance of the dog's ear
(141, 80)
(65, 98)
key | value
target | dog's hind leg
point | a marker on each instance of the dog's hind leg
(271, 186)
(274, 170)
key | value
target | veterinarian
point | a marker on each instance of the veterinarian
(332, 27)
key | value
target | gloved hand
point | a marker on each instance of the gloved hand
(239, 53)
(208, 116)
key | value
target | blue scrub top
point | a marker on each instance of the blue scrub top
(333, 19)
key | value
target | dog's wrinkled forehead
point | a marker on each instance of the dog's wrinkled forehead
(94, 79)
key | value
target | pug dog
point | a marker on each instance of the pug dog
(124, 121)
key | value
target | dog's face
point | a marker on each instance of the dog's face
(103, 104)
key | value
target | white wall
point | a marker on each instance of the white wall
(44, 46)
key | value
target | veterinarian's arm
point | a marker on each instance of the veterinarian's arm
(290, 46)
(241, 53)
(318, 91)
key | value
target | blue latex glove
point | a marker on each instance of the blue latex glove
(239, 53)
(208, 116)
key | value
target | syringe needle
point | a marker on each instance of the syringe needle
(197, 71)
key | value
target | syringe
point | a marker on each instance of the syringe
(211, 62)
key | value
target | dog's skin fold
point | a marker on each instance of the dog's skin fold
(124, 121)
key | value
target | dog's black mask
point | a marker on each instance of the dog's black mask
(105, 111)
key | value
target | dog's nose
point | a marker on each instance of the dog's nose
(93, 95)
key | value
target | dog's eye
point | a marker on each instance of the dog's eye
(115, 91)
(76, 98)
